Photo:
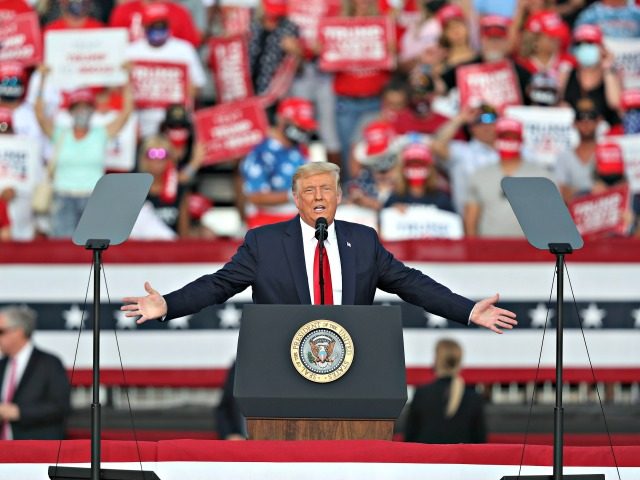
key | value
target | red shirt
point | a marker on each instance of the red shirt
(11, 8)
(61, 24)
(129, 15)
(361, 83)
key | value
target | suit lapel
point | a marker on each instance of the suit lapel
(294, 251)
(347, 264)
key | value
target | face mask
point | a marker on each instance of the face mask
(5, 127)
(434, 5)
(296, 135)
(77, 9)
(157, 36)
(508, 149)
(82, 118)
(587, 54)
(493, 55)
(178, 136)
(611, 180)
(631, 121)
(11, 89)
(416, 176)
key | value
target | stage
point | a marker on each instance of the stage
(337, 460)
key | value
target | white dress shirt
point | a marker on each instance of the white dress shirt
(22, 358)
(309, 242)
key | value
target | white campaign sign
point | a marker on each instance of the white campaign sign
(19, 162)
(627, 59)
(419, 221)
(630, 145)
(547, 131)
(82, 58)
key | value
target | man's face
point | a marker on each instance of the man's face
(317, 196)
(11, 338)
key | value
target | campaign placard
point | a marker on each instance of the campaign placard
(626, 53)
(229, 60)
(601, 214)
(547, 131)
(231, 130)
(307, 15)
(235, 20)
(158, 84)
(353, 43)
(495, 84)
(20, 163)
(419, 221)
(630, 145)
(88, 57)
(20, 40)
(281, 81)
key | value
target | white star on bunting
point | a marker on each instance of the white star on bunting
(229, 316)
(182, 322)
(73, 317)
(592, 316)
(539, 315)
(434, 321)
(123, 322)
(636, 316)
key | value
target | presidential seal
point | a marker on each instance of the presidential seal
(322, 351)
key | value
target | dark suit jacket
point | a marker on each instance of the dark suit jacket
(43, 396)
(271, 260)
(426, 421)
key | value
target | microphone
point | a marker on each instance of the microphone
(321, 229)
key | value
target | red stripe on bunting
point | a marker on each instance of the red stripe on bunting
(75, 451)
(220, 251)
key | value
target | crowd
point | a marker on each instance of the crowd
(405, 137)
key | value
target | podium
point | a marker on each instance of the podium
(312, 372)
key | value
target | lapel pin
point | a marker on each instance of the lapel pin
(348, 245)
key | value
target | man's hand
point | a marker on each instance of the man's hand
(9, 412)
(147, 308)
(487, 315)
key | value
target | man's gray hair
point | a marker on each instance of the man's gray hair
(315, 168)
(20, 317)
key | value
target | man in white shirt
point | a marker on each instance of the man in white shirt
(35, 391)
(159, 45)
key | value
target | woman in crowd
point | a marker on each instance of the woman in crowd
(169, 198)
(420, 182)
(595, 75)
(456, 37)
(79, 153)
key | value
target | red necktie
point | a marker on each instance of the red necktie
(326, 273)
(11, 389)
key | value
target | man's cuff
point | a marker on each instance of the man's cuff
(471, 314)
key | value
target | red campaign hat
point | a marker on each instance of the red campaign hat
(275, 7)
(450, 12)
(417, 151)
(587, 33)
(494, 25)
(198, 205)
(378, 136)
(6, 118)
(609, 159)
(547, 23)
(508, 125)
(80, 95)
(630, 99)
(12, 69)
(299, 111)
(155, 12)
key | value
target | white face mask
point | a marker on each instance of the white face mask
(587, 54)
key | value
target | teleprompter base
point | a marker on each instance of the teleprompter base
(78, 473)
(588, 476)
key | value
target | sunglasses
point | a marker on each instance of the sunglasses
(157, 153)
(586, 115)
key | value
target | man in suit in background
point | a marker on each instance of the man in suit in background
(35, 391)
(280, 263)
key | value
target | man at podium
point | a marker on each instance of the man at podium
(281, 263)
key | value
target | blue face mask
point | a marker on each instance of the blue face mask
(77, 9)
(157, 36)
(631, 121)
(587, 54)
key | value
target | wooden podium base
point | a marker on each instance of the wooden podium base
(318, 429)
